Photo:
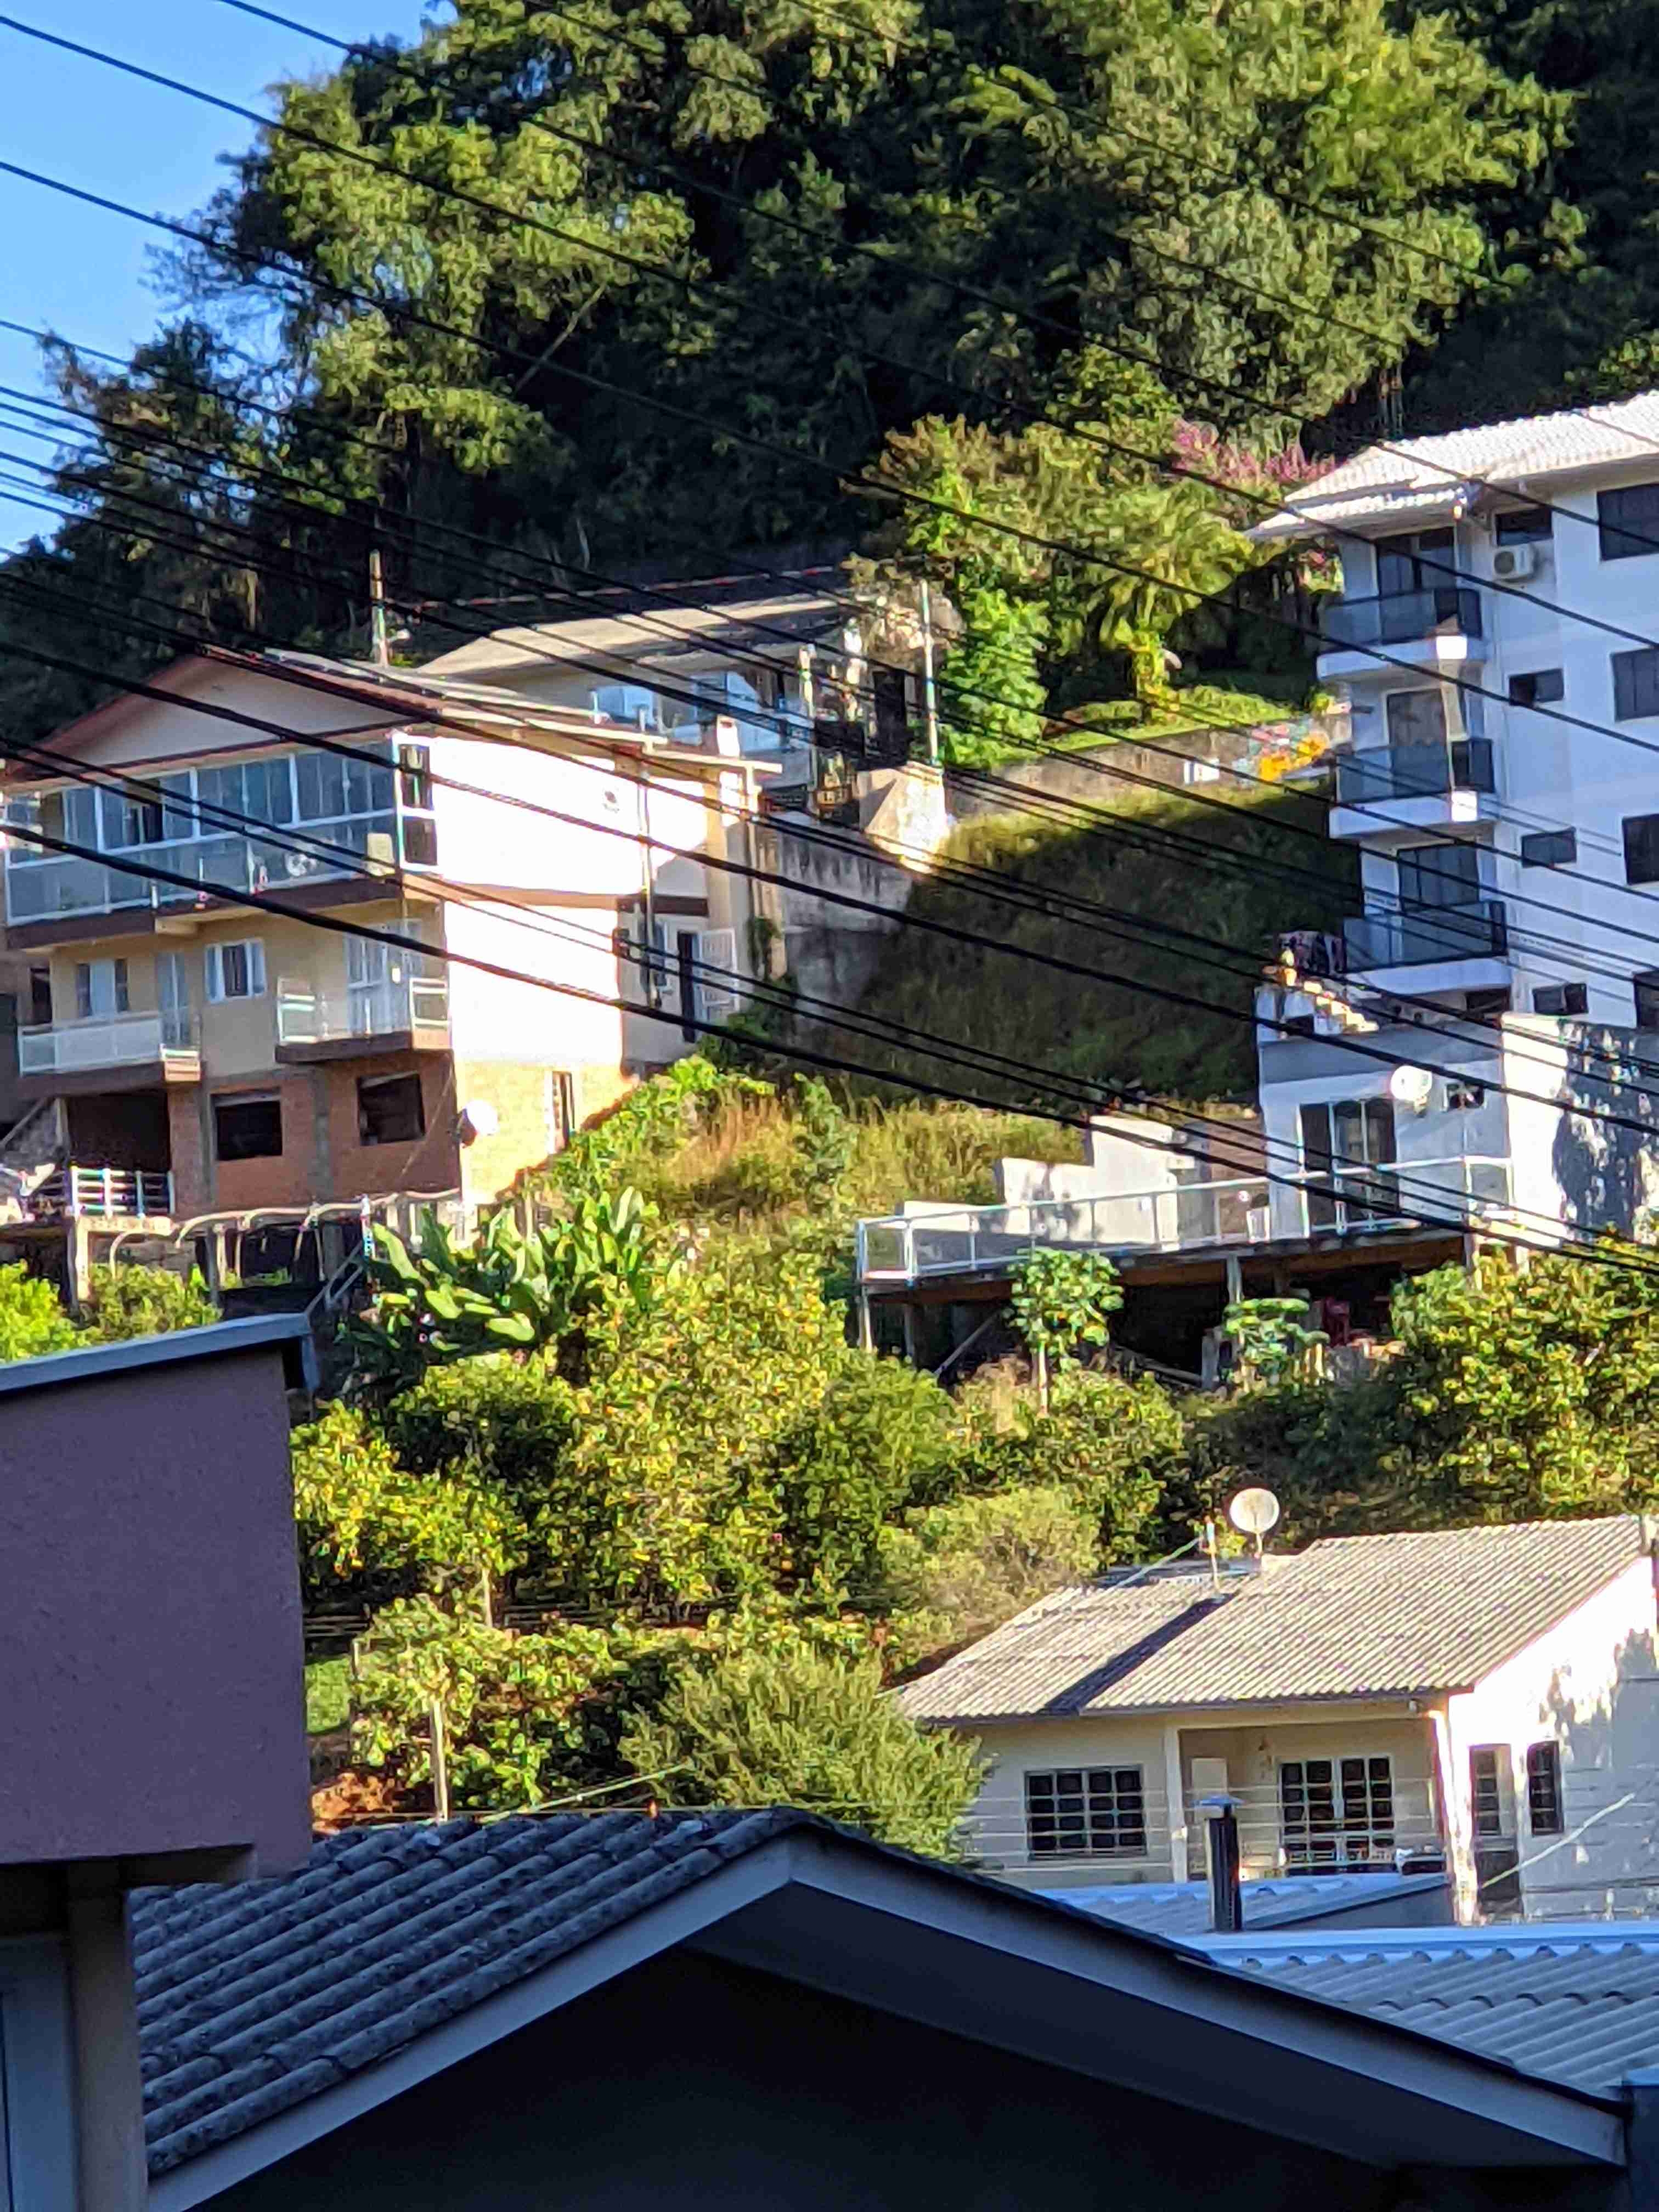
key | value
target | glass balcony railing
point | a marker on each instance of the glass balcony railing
(155, 1040)
(1403, 617)
(1475, 932)
(40, 889)
(1414, 772)
(384, 1009)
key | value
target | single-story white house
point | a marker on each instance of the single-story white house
(1482, 1698)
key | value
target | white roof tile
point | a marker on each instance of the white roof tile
(1417, 477)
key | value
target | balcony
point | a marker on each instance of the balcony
(1463, 1191)
(1413, 788)
(1427, 629)
(977, 1240)
(119, 1051)
(410, 1014)
(1448, 937)
(103, 1193)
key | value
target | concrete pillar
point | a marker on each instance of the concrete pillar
(109, 2090)
(1176, 1802)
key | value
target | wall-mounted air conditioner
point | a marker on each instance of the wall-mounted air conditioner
(1513, 564)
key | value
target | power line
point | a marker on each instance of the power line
(54, 763)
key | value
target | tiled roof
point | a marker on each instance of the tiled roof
(1418, 475)
(1352, 1617)
(1578, 2005)
(254, 1996)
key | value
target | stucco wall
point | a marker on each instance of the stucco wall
(150, 1660)
(1589, 1685)
(695, 2084)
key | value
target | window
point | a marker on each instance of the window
(129, 821)
(1525, 525)
(172, 999)
(389, 1109)
(1416, 718)
(247, 1125)
(1411, 561)
(1541, 687)
(1629, 521)
(1561, 998)
(1341, 1143)
(1549, 849)
(100, 988)
(40, 996)
(1544, 1815)
(1642, 848)
(1336, 1813)
(236, 970)
(1491, 1810)
(1647, 999)
(1635, 685)
(1438, 875)
(1086, 1811)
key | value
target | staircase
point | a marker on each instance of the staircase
(32, 1152)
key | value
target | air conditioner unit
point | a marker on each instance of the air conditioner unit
(1513, 564)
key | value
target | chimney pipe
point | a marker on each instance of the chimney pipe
(1226, 1898)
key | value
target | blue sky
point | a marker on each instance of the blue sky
(85, 273)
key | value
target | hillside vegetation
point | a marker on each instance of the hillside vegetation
(1227, 873)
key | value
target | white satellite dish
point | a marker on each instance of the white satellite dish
(1412, 1086)
(1253, 1513)
(480, 1118)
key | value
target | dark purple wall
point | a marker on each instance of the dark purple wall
(151, 1670)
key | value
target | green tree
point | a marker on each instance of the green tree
(1271, 1338)
(1060, 1299)
(956, 1571)
(522, 1716)
(776, 1726)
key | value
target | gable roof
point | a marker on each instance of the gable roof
(1389, 1616)
(1415, 477)
(273, 2012)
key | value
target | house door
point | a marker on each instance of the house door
(1492, 1824)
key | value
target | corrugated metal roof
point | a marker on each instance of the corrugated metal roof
(1418, 475)
(1578, 2008)
(1352, 1617)
(1182, 1909)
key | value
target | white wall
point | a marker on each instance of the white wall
(493, 1018)
(1588, 1684)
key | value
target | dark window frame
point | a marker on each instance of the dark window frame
(1524, 526)
(1086, 1811)
(1645, 984)
(1627, 521)
(1549, 849)
(247, 1143)
(383, 1100)
(1538, 687)
(1546, 1812)
(1561, 998)
(1641, 839)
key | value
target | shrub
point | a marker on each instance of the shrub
(32, 1317)
(780, 1727)
(131, 1301)
(958, 1570)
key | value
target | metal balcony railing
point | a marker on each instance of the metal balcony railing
(1414, 771)
(1403, 617)
(165, 1039)
(1475, 932)
(1319, 1826)
(130, 1193)
(969, 1240)
(1463, 1191)
(305, 1016)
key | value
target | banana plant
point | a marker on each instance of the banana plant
(509, 1291)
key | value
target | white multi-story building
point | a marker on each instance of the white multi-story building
(1497, 641)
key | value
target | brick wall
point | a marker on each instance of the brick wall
(323, 1157)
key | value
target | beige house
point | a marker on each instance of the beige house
(1481, 1697)
(189, 1056)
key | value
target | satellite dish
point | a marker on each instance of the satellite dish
(1253, 1513)
(1412, 1086)
(478, 1119)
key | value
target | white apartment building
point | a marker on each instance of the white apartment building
(1497, 643)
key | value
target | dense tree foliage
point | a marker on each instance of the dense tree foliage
(506, 269)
